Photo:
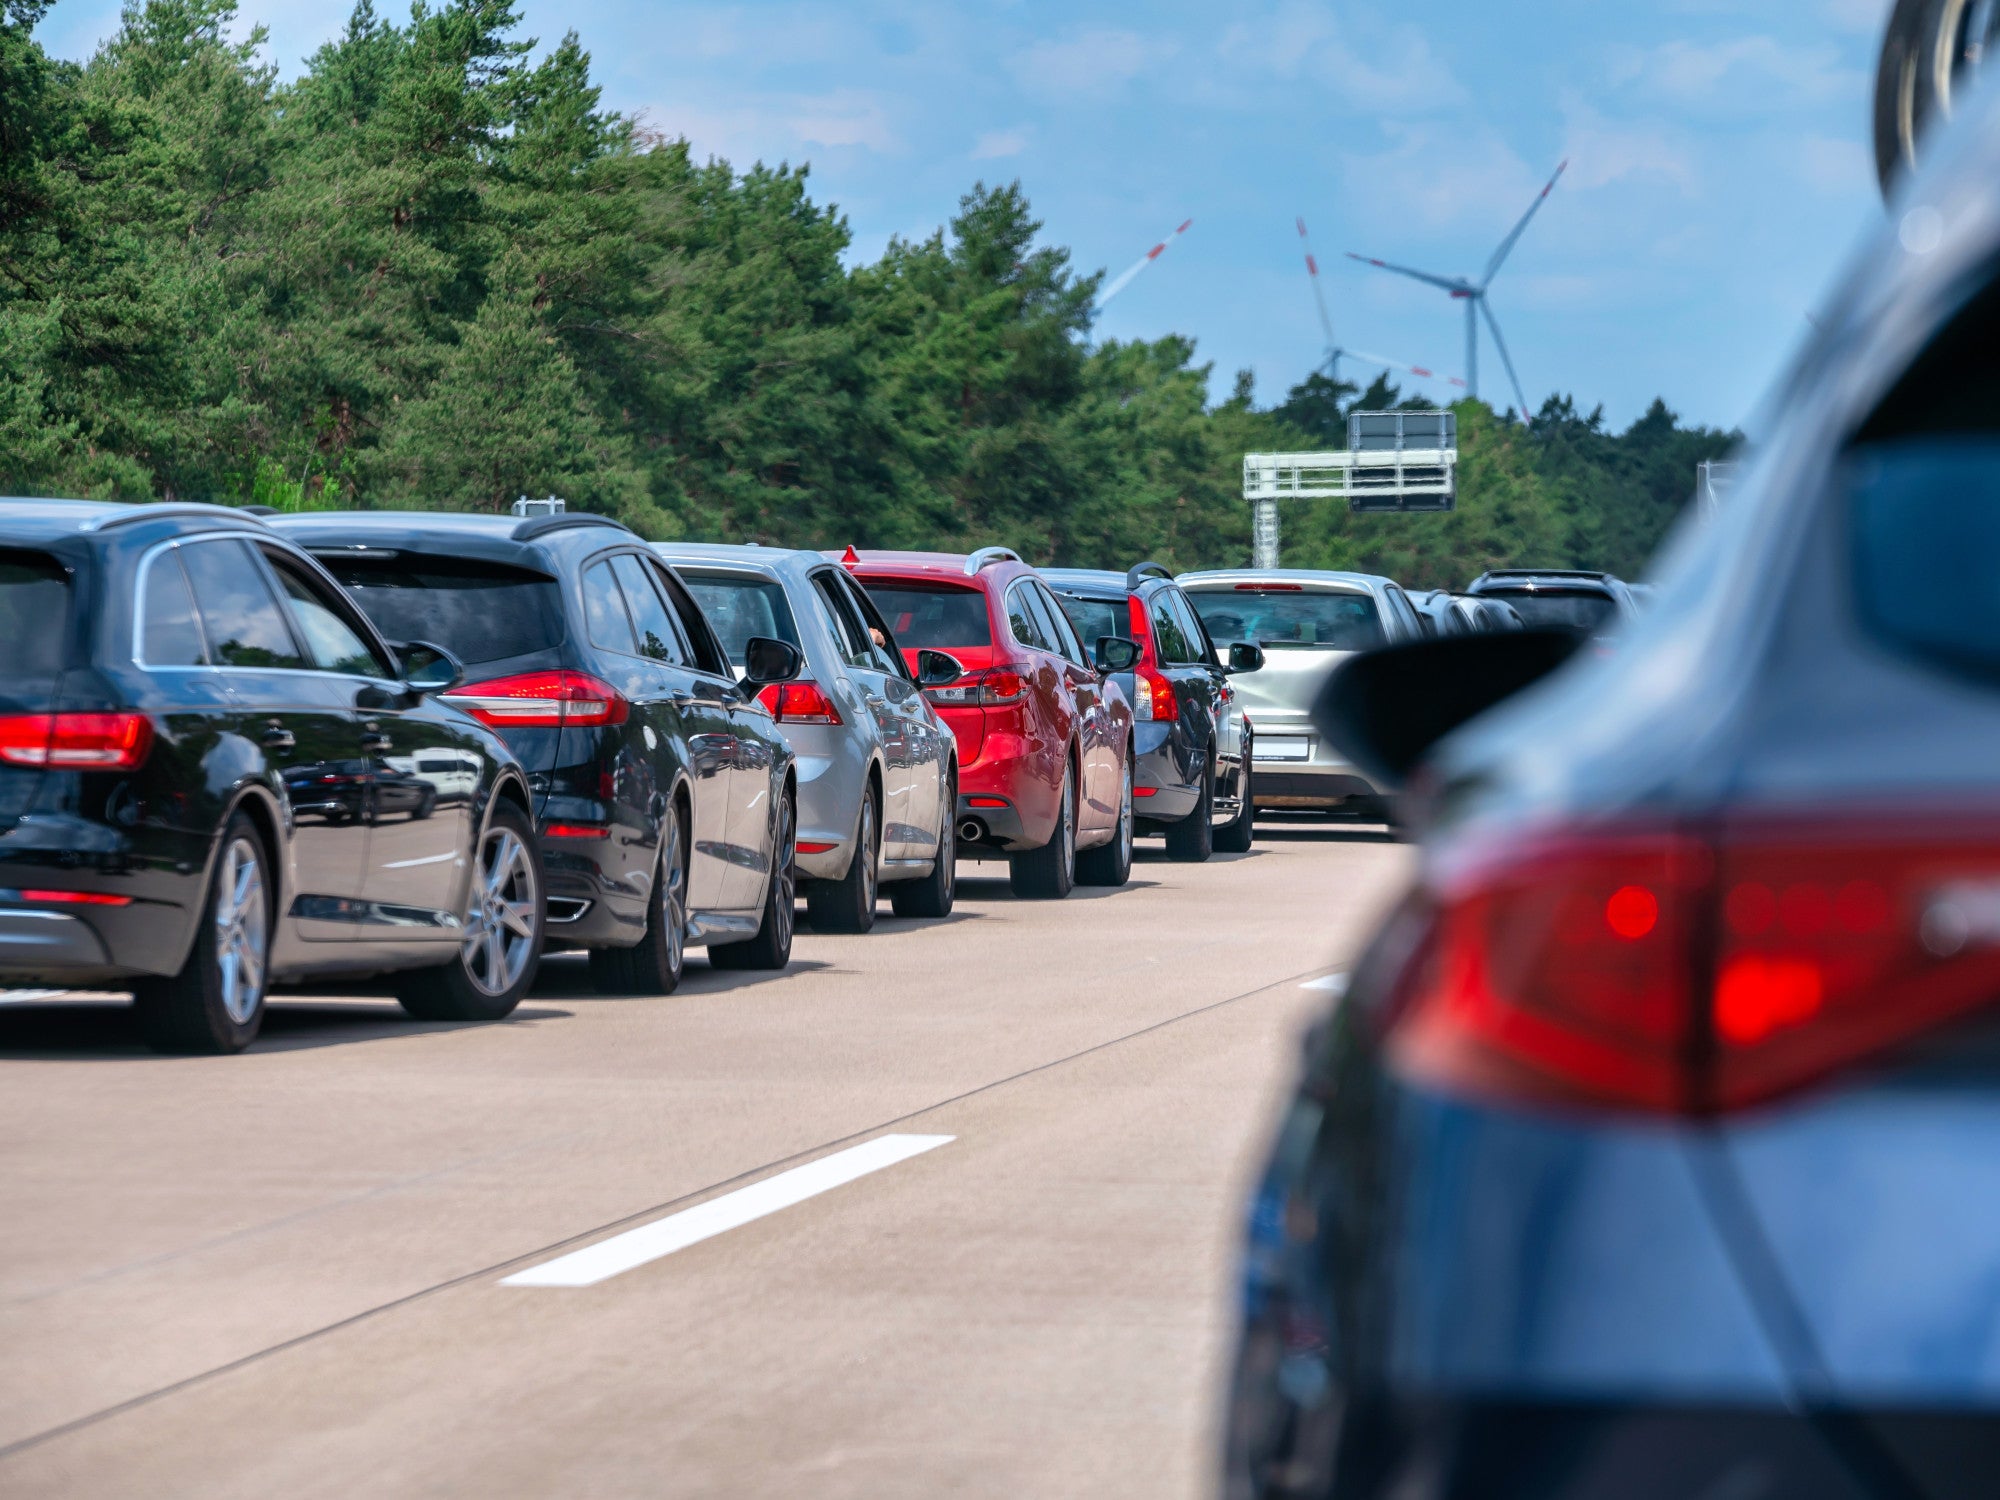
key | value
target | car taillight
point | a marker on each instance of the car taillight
(76, 741)
(993, 688)
(1694, 971)
(799, 703)
(1155, 699)
(541, 700)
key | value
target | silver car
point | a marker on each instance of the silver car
(877, 768)
(1307, 623)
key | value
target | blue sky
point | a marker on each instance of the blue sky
(1717, 148)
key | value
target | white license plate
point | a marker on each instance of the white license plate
(1274, 748)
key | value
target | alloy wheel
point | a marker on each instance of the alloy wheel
(242, 930)
(500, 929)
(785, 874)
(673, 899)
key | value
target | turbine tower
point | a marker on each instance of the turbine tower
(1335, 352)
(1473, 294)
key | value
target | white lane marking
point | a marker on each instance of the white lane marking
(635, 1247)
(1333, 984)
(28, 997)
(410, 864)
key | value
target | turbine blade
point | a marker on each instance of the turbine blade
(1319, 297)
(1501, 344)
(1445, 282)
(1507, 245)
(1124, 278)
(1397, 364)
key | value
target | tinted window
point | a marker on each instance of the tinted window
(171, 633)
(1558, 609)
(881, 640)
(34, 612)
(842, 623)
(479, 612)
(241, 620)
(1095, 617)
(604, 616)
(938, 618)
(1926, 549)
(331, 642)
(1169, 632)
(659, 639)
(1275, 617)
(1190, 623)
(707, 653)
(1022, 622)
(740, 606)
(1056, 627)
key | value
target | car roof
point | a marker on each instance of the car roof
(1096, 581)
(1310, 578)
(32, 520)
(1572, 579)
(508, 539)
(944, 567)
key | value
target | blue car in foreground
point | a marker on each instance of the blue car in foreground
(1654, 1150)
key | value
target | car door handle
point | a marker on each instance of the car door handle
(277, 737)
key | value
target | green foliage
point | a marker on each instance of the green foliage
(433, 272)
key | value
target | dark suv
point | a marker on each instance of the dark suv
(1560, 599)
(202, 790)
(664, 795)
(1190, 737)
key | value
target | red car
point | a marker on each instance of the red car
(1044, 735)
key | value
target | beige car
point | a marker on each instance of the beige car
(1308, 623)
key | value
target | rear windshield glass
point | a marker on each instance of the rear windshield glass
(477, 611)
(1551, 609)
(1283, 617)
(1926, 549)
(932, 618)
(1095, 617)
(739, 607)
(34, 612)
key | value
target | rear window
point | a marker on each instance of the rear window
(932, 618)
(1095, 617)
(1584, 611)
(478, 611)
(1926, 549)
(1286, 617)
(740, 606)
(34, 612)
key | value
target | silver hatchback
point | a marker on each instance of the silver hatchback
(877, 768)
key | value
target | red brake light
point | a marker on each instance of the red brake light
(1155, 701)
(76, 742)
(799, 703)
(577, 831)
(541, 700)
(77, 898)
(1270, 588)
(993, 688)
(1660, 970)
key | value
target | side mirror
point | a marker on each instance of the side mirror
(767, 661)
(1384, 710)
(1246, 657)
(428, 668)
(1117, 653)
(936, 669)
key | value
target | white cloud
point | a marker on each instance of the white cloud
(843, 119)
(1602, 152)
(1864, 16)
(995, 144)
(1392, 68)
(1836, 165)
(1756, 72)
(774, 128)
(1094, 62)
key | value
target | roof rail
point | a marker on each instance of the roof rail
(1548, 573)
(1140, 572)
(536, 526)
(986, 557)
(152, 510)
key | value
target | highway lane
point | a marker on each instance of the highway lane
(283, 1272)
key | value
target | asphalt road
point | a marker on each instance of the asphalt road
(285, 1273)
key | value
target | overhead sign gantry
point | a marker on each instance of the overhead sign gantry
(1400, 461)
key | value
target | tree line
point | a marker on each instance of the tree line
(435, 271)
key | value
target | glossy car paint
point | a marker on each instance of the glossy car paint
(1070, 716)
(888, 732)
(1451, 1293)
(1279, 697)
(691, 736)
(1170, 757)
(363, 884)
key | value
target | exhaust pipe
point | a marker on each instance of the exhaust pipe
(971, 831)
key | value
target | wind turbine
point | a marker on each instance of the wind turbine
(1124, 278)
(1473, 294)
(1335, 352)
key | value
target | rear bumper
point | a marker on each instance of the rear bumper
(1156, 769)
(1296, 767)
(1029, 817)
(829, 791)
(162, 873)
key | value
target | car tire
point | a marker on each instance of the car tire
(1049, 873)
(654, 964)
(1111, 864)
(933, 896)
(1192, 840)
(216, 1002)
(848, 904)
(771, 948)
(1236, 836)
(505, 926)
